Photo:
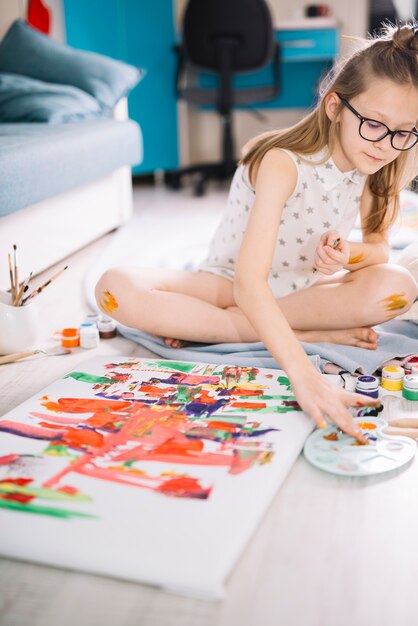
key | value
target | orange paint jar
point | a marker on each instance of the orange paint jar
(70, 338)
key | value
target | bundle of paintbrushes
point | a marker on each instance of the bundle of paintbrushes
(17, 289)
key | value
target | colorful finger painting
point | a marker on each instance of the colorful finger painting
(151, 452)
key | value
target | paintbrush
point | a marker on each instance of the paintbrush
(42, 287)
(16, 276)
(22, 290)
(12, 286)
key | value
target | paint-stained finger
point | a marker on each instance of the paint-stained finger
(319, 419)
(345, 421)
(358, 399)
(405, 432)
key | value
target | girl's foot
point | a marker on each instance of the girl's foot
(174, 343)
(363, 337)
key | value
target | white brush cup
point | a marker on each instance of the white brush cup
(19, 326)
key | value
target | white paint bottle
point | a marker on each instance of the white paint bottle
(89, 336)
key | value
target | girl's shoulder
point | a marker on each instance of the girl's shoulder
(276, 158)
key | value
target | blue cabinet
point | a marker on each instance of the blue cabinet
(305, 56)
(143, 34)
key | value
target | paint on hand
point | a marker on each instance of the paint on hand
(108, 302)
(333, 436)
(395, 302)
(357, 258)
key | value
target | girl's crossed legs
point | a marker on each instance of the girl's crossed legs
(200, 306)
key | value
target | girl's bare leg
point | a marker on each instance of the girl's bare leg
(193, 306)
(199, 306)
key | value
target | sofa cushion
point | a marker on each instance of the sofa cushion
(26, 51)
(24, 99)
(42, 160)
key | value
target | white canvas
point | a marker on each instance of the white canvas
(164, 487)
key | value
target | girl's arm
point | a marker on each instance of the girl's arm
(276, 181)
(375, 246)
(333, 253)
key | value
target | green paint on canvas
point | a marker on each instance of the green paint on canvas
(58, 450)
(91, 378)
(43, 510)
(172, 365)
(283, 380)
(42, 492)
(239, 420)
(262, 397)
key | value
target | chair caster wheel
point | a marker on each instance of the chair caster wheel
(172, 180)
(199, 189)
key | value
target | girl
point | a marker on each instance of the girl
(280, 268)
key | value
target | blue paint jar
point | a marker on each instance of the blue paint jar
(368, 386)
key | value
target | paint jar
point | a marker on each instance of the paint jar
(413, 361)
(368, 386)
(19, 325)
(91, 318)
(410, 387)
(89, 336)
(107, 327)
(70, 338)
(392, 376)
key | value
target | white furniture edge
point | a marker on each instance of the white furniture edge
(50, 230)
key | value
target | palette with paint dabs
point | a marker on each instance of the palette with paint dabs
(334, 451)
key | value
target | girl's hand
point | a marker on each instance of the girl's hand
(320, 399)
(332, 253)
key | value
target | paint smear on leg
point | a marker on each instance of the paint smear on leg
(395, 302)
(108, 302)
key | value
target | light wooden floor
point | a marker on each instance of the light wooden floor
(330, 551)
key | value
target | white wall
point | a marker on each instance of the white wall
(200, 136)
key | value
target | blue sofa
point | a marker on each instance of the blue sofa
(65, 176)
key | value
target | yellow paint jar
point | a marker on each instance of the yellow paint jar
(392, 377)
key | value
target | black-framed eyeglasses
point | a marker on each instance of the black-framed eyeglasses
(372, 130)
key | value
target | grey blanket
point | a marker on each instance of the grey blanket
(397, 339)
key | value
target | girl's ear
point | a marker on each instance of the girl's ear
(332, 104)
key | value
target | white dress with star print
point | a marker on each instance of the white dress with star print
(324, 199)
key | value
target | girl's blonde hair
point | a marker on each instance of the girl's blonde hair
(394, 56)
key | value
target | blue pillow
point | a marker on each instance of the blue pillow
(28, 52)
(24, 99)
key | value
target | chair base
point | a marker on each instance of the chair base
(203, 173)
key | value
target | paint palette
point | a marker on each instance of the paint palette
(334, 451)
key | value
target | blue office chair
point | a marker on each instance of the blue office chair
(227, 38)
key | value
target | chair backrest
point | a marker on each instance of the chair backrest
(245, 24)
